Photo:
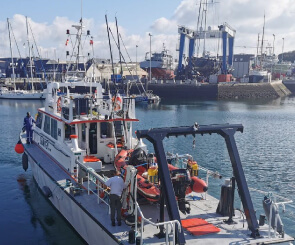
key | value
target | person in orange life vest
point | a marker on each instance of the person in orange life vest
(28, 125)
(117, 185)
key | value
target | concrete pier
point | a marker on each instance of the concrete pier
(270, 90)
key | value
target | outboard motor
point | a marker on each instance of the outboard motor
(181, 179)
(138, 157)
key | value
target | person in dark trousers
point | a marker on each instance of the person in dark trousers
(28, 125)
(117, 185)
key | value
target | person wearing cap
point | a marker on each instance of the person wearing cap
(28, 126)
(117, 185)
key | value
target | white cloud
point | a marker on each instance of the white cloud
(246, 16)
(163, 25)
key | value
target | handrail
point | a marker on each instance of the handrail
(166, 223)
(93, 176)
(276, 204)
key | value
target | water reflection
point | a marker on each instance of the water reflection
(32, 104)
(56, 230)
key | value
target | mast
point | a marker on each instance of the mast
(257, 50)
(30, 58)
(205, 10)
(261, 58)
(12, 62)
(198, 23)
(121, 71)
(110, 48)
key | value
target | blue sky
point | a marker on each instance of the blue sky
(137, 18)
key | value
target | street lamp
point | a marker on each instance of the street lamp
(150, 57)
(283, 49)
(282, 58)
(273, 44)
(136, 62)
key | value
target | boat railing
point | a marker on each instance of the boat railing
(166, 224)
(97, 180)
(209, 173)
(274, 206)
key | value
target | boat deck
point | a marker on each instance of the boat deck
(236, 233)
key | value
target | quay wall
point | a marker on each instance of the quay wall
(185, 91)
(290, 84)
(271, 90)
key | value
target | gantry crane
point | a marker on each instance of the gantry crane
(226, 32)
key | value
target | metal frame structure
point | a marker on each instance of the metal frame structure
(225, 31)
(227, 131)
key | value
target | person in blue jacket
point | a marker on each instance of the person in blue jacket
(28, 125)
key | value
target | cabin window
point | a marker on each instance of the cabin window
(69, 129)
(105, 130)
(53, 131)
(83, 132)
(93, 138)
(39, 120)
(118, 128)
(47, 125)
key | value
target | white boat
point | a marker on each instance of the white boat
(75, 142)
(259, 75)
(5, 93)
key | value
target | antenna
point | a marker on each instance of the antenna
(81, 10)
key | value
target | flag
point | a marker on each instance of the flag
(67, 42)
(91, 42)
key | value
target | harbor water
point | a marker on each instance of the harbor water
(265, 148)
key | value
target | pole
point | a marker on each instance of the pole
(283, 49)
(150, 57)
(282, 58)
(12, 62)
(136, 62)
(273, 44)
(30, 58)
(121, 71)
(110, 49)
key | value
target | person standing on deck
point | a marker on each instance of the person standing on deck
(117, 185)
(28, 125)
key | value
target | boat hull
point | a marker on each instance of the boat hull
(22, 96)
(77, 216)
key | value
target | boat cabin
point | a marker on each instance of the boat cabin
(92, 126)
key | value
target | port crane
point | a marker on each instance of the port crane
(224, 31)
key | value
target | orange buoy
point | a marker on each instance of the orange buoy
(19, 148)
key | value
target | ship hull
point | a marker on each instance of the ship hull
(160, 73)
(68, 206)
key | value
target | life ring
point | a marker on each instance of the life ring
(58, 105)
(117, 103)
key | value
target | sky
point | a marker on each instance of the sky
(49, 20)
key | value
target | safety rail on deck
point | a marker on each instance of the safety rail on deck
(276, 204)
(213, 174)
(96, 179)
(166, 224)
